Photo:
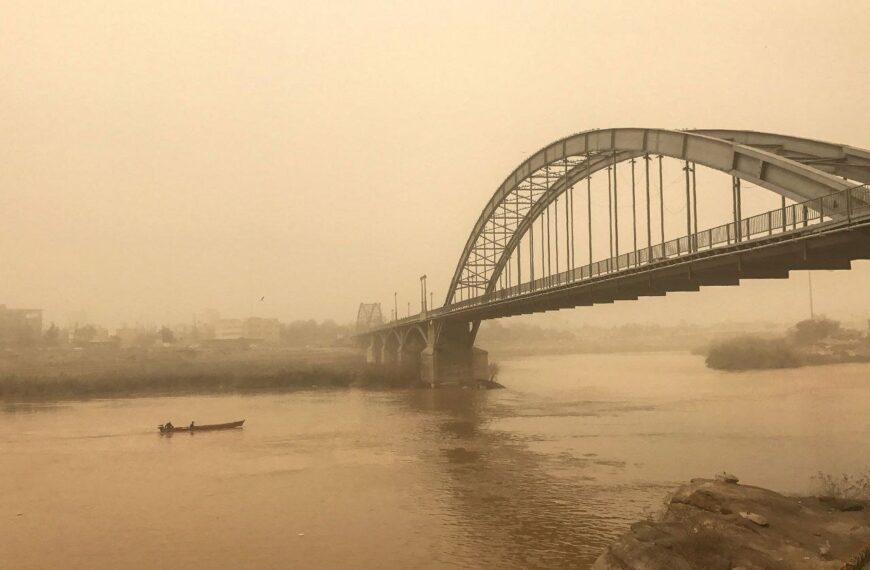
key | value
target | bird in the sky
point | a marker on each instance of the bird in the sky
(263, 297)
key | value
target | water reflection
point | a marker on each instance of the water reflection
(516, 506)
(30, 407)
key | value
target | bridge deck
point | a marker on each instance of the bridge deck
(824, 233)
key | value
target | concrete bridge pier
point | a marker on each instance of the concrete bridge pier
(450, 356)
(375, 350)
(391, 348)
(430, 352)
(429, 366)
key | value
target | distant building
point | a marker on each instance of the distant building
(20, 325)
(258, 328)
(228, 329)
(253, 328)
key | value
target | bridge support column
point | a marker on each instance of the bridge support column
(479, 364)
(374, 350)
(387, 356)
(430, 353)
(452, 358)
(391, 348)
(429, 366)
(429, 357)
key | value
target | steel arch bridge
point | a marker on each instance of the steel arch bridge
(822, 222)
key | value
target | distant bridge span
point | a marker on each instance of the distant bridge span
(521, 258)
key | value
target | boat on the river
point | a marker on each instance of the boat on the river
(169, 428)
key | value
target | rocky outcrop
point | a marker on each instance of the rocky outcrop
(720, 525)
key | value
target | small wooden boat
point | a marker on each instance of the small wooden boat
(205, 427)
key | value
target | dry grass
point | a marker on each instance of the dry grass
(124, 374)
(843, 486)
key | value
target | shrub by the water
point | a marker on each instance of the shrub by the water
(815, 330)
(747, 353)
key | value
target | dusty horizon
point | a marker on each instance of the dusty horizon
(162, 159)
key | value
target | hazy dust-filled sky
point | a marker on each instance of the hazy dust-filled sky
(159, 158)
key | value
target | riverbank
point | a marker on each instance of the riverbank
(63, 375)
(811, 342)
(526, 339)
(754, 353)
(714, 524)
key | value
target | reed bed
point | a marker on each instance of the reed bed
(111, 376)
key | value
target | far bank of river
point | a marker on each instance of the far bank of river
(811, 342)
(544, 474)
(45, 374)
(756, 353)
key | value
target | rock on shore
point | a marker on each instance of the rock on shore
(717, 524)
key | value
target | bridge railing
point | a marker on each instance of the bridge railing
(840, 207)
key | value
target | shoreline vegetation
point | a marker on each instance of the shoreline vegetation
(91, 369)
(810, 342)
(522, 339)
(69, 375)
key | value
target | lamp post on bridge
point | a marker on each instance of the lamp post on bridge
(810, 287)
(423, 307)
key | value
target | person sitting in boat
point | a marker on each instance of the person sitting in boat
(191, 426)
(168, 425)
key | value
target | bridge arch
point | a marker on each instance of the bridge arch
(391, 345)
(413, 343)
(420, 334)
(800, 169)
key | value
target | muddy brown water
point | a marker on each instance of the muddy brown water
(541, 475)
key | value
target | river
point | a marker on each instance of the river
(543, 474)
